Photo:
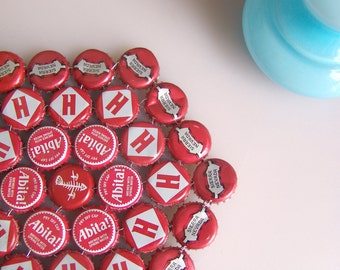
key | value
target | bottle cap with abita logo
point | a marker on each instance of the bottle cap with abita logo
(46, 232)
(48, 147)
(120, 187)
(23, 189)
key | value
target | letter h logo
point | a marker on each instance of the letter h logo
(66, 266)
(20, 107)
(2, 231)
(4, 235)
(168, 181)
(120, 266)
(69, 104)
(146, 228)
(117, 103)
(4, 148)
(142, 141)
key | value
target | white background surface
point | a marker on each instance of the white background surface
(284, 147)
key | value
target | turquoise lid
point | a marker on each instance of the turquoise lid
(296, 43)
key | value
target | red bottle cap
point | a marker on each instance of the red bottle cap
(71, 187)
(214, 180)
(10, 149)
(70, 107)
(48, 70)
(117, 107)
(9, 234)
(73, 260)
(171, 258)
(168, 183)
(145, 227)
(93, 69)
(21, 262)
(96, 146)
(122, 259)
(23, 109)
(45, 233)
(194, 226)
(23, 189)
(120, 187)
(48, 147)
(95, 231)
(12, 71)
(189, 141)
(166, 103)
(142, 143)
(138, 68)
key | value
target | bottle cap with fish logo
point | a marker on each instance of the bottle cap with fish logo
(71, 187)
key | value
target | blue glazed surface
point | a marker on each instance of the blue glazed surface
(292, 47)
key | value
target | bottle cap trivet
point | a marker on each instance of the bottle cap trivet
(194, 225)
(117, 106)
(214, 180)
(10, 149)
(48, 70)
(138, 68)
(23, 109)
(95, 231)
(122, 259)
(171, 258)
(9, 234)
(12, 71)
(120, 187)
(142, 143)
(21, 262)
(71, 260)
(23, 189)
(132, 116)
(71, 187)
(168, 183)
(96, 146)
(93, 69)
(48, 147)
(166, 103)
(45, 233)
(145, 228)
(70, 107)
(189, 141)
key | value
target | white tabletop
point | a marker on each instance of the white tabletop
(285, 147)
